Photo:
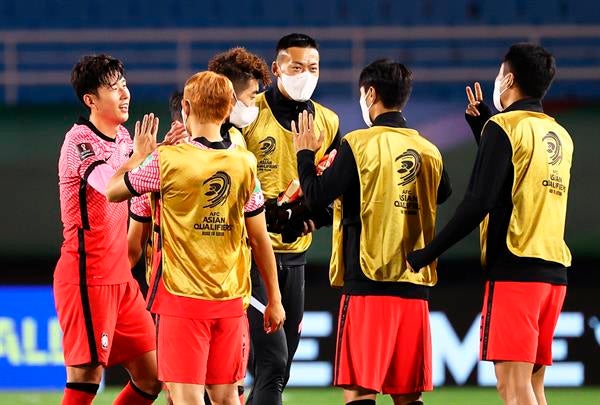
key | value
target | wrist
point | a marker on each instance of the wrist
(274, 298)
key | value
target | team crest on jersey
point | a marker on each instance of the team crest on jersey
(85, 150)
(219, 185)
(553, 148)
(104, 341)
(410, 165)
(267, 146)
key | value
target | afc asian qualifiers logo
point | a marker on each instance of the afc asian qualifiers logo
(410, 165)
(219, 185)
(553, 147)
(267, 146)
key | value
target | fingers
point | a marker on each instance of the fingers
(155, 129)
(305, 126)
(294, 129)
(470, 95)
(478, 92)
(472, 110)
(136, 132)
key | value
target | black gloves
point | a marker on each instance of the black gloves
(288, 219)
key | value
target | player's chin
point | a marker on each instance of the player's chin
(122, 116)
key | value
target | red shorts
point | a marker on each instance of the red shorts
(106, 325)
(518, 321)
(383, 344)
(202, 351)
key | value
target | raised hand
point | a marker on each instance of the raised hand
(474, 99)
(176, 135)
(304, 133)
(144, 139)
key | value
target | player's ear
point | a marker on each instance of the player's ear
(89, 101)
(275, 68)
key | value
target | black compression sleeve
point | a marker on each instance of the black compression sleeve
(492, 166)
(320, 191)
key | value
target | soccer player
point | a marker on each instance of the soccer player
(387, 181)
(100, 309)
(269, 138)
(518, 193)
(247, 72)
(208, 212)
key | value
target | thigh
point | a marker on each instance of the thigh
(87, 316)
(549, 315)
(365, 342)
(409, 371)
(228, 353)
(509, 329)
(135, 333)
(183, 348)
(266, 349)
(292, 293)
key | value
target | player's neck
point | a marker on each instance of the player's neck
(109, 129)
(210, 131)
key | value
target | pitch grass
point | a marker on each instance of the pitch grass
(330, 396)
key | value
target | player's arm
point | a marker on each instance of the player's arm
(83, 160)
(493, 165)
(140, 221)
(119, 187)
(444, 188)
(137, 236)
(262, 251)
(477, 112)
(320, 191)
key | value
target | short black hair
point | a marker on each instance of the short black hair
(391, 80)
(175, 105)
(295, 40)
(533, 67)
(94, 71)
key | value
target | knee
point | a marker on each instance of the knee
(91, 375)
(148, 384)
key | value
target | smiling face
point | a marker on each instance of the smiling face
(110, 104)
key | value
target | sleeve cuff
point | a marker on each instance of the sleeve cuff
(129, 186)
(139, 218)
(91, 168)
(255, 212)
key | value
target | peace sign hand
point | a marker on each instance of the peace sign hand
(474, 99)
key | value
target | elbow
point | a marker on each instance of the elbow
(134, 258)
(112, 193)
(112, 197)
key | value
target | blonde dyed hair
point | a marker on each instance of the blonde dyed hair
(211, 96)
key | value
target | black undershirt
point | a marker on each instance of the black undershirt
(490, 191)
(341, 179)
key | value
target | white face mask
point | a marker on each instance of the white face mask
(299, 87)
(498, 93)
(364, 108)
(241, 115)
